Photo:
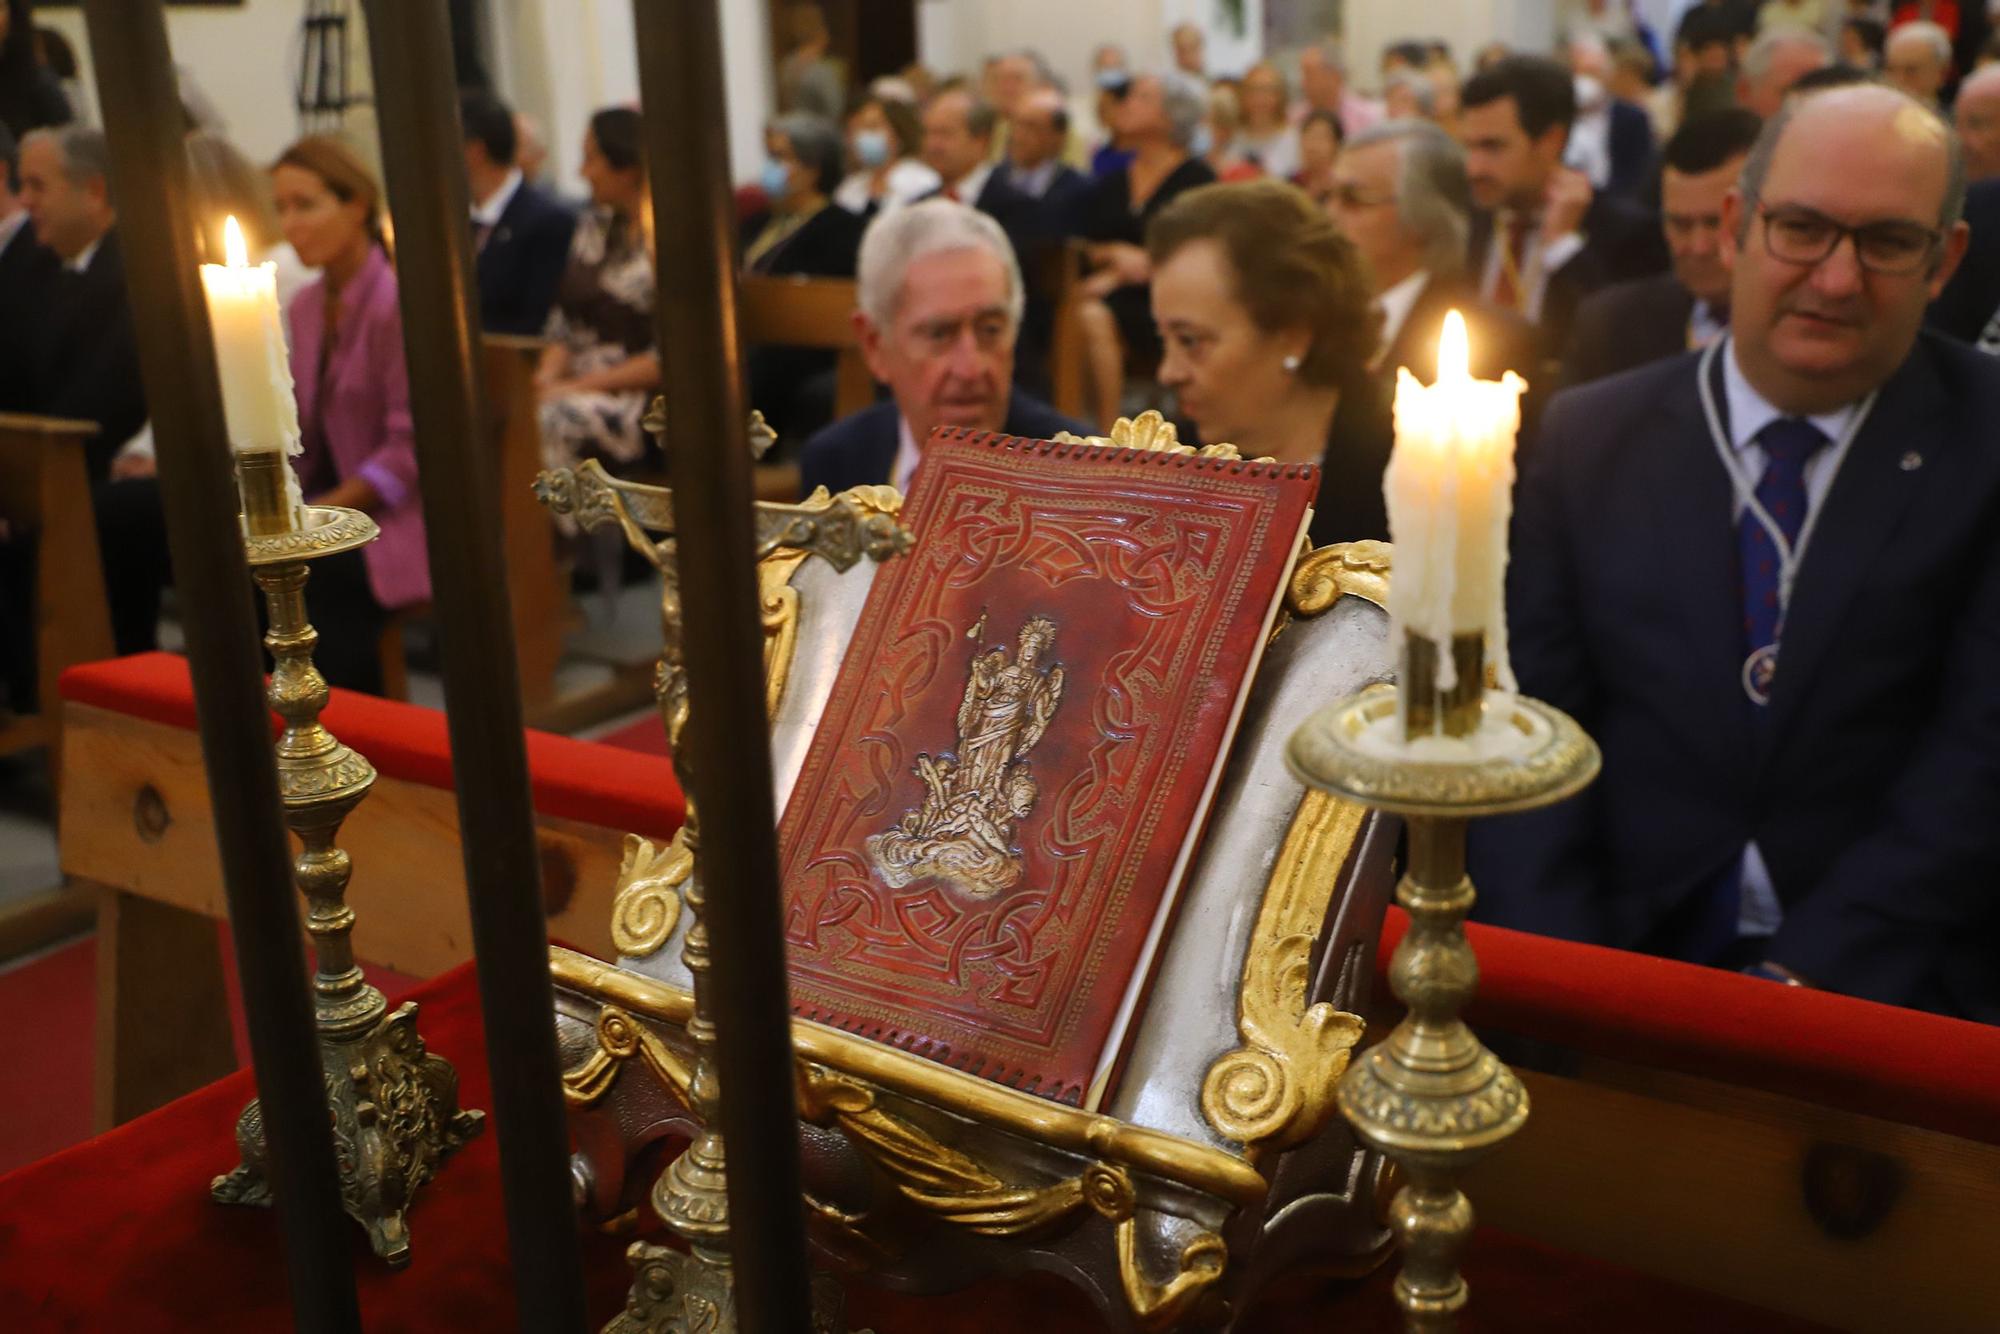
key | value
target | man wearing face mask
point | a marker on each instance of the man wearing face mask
(1631, 323)
(941, 303)
(1766, 577)
(882, 138)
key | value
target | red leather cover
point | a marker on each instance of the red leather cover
(984, 841)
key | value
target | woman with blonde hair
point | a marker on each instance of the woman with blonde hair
(354, 403)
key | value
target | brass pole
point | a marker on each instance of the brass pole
(687, 150)
(143, 122)
(423, 156)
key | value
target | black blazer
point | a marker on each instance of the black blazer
(522, 262)
(1058, 207)
(1625, 325)
(1349, 506)
(860, 450)
(1971, 300)
(89, 363)
(27, 269)
(1620, 242)
(1631, 148)
(1871, 787)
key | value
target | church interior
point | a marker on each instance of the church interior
(959, 666)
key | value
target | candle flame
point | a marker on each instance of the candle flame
(233, 248)
(1454, 351)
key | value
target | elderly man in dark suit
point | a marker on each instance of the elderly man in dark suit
(27, 267)
(1542, 239)
(941, 304)
(1631, 323)
(521, 234)
(1766, 577)
(89, 367)
(1037, 131)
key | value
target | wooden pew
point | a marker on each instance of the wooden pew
(1061, 277)
(537, 577)
(137, 827)
(796, 311)
(45, 500)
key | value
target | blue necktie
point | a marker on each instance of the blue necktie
(1788, 443)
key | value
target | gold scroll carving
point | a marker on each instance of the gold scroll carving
(1150, 431)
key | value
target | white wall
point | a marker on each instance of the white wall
(244, 57)
(954, 36)
(1527, 25)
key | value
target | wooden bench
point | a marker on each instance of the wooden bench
(137, 827)
(796, 311)
(1061, 276)
(537, 577)
(45, 501)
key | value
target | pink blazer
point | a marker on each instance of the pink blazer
(364, 421)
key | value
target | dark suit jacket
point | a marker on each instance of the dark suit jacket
(1631, 148)
(1625, 325)
(1620, 242)
(1059, 207)
(27, 268)
(860, 450)
(1349, 506)
(89, 364)
(522, 262)
(1871, 786)
(1971, 300)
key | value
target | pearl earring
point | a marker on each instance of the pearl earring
(1291, 364)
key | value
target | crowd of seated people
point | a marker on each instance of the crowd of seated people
(1749, 269)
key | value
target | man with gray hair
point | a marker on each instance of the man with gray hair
(89, 367)
(940, 308)
(1917, 60)
(1761, 575)
(1773, 63)
(1400, 194)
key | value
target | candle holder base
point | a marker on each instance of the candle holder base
(1430, 1096)
(676, 1292)
(396, 1119)
(394, 1106)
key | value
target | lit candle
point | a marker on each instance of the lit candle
(250, 360)
(1449, 488)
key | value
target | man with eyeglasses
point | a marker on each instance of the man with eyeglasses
(940, 307)
(1766, 576)
(1631, 323)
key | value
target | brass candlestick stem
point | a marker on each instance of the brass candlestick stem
(1430, 1096)
(394, 1106)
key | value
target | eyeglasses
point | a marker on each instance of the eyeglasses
(1354, 196)
(1800, 235)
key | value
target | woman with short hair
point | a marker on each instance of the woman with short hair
(357, 448)
(1268, 323)
(883, 136)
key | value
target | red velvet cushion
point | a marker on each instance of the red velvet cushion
(576, 780)
(118, 1234)
(1902, 1065)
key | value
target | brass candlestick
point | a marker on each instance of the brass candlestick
(394, 1106)
(1430, 1096)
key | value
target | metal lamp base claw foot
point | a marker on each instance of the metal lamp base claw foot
(674, 1292)
(396, 1119)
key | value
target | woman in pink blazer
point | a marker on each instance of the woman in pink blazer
(354, 404)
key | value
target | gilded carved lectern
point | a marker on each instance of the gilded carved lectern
(1217, 1158)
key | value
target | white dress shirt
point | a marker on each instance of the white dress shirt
(80, 263)
(1033, 182)
(1749, 412)
(969, 185)
(1397, 303)
(488, 210)
(908, 456)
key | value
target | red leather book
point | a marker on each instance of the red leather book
(982, 850)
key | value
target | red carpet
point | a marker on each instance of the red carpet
(118, 1233)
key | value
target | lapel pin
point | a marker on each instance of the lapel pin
(1912, 461)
